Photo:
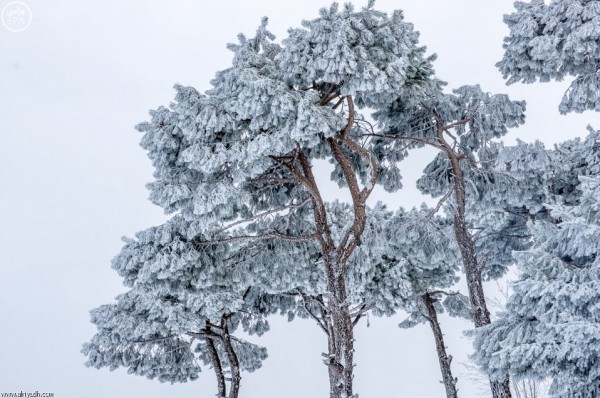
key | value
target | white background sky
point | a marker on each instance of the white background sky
(73, 85)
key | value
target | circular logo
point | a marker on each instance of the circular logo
(16, 16)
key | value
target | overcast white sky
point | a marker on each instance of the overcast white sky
(73, 85)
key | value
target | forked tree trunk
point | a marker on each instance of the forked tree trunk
(218, 368)
(335, 254)
(443, 357)
(234, 364)
(221, 334)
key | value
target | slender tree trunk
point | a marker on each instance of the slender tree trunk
(472, 269)
(443, 357)
(234, 364)
(218, 368)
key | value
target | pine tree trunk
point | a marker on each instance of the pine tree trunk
(340, 334)
(501, 388)
(341, 337)
(218, 368)
(443, 357)
(234, 364)
(472, 269)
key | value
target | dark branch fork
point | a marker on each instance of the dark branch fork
(336, 320)
(359, 196)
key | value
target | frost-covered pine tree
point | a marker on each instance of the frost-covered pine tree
(236, 163)
(461, 126)
(551, 326)
(184, 305)
(422, 244)
(552, 40)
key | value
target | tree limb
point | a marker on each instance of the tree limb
(266, 213)
(269, 235)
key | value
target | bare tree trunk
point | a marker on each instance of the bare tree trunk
(218, 368)
(472, 269)
(443, 357)
(234, 364)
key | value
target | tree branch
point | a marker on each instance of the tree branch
(364, 308)
(280, 160)
(266, 213)
(331, 94)
(357, 202)
(457, 123)
(348, 127)
(403, 138)
(319, 321)
(440, 203)
(269, 235)
(319, 210)
(154, 339)
(372, 166)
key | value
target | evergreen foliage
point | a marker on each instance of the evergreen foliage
(550, 327)
(553, 41)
